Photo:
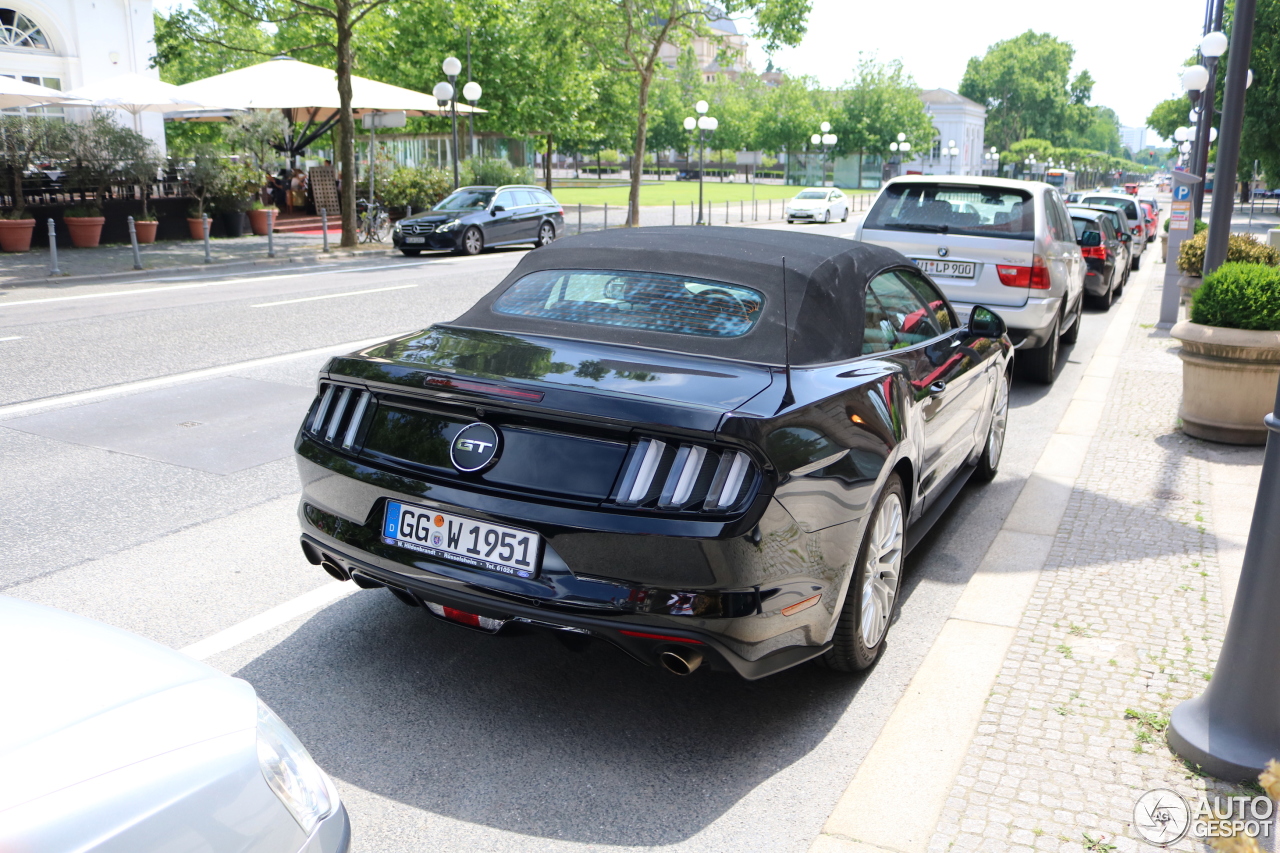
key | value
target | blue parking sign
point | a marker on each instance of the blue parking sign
(1181, 192)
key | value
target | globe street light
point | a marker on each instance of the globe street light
(705, 124)
(951, 150)
(447, 92)
(827, 140)
(900, 146)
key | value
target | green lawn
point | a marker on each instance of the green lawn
(681, 192)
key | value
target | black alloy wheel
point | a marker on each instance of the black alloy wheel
(546, 233)
(1041, 363)
(411, 253)
(472, 241)
(989, 461)
(872, 599)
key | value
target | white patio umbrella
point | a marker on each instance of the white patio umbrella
(305, 93)
(136, 94)
(18, 93)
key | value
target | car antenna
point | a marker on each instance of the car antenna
(787, 397)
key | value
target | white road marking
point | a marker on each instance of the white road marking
(207, 283)
(332, 295)
(273, 618)
(12, 338)
(76, 397)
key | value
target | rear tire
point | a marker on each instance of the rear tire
(411, 253)
(1041, 363)
(546, 234)
(989, 461)
(1072, 334)
(1104, 301)
(872, 599)
(1135, 262)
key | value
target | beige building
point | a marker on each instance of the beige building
(722, 52)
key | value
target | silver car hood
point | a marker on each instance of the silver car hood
(84, 699)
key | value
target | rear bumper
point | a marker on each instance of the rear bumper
(1029, 324)
(642, 640)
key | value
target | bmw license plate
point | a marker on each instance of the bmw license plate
(947, 269)
(478, 544)
(415, 239)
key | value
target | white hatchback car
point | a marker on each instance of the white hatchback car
(818, 204)
(1006, 245)
(111, 743)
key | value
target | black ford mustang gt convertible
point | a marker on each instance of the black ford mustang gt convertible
(704, 445)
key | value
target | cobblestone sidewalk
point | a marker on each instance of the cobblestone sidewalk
(1125, 622)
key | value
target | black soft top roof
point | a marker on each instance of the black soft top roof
(826, 281)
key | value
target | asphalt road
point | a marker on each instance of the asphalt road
(148, 481)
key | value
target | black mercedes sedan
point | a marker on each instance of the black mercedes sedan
(707, 446)
(471, 219)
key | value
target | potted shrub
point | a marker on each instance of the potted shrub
(141, 166)
(1241, 248)
(259, 217)
(1231, 354)
(202, 174)
(233, 191)
(100, 153)
(84, 224)
(25, 140)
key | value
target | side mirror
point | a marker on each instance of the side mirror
(497, 208)
(1125, 237)
(985, 323)
(1090, 239)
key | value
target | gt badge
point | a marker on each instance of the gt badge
(943, 251)
(474, 448)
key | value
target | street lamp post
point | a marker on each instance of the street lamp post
(447, 93)
(1228, 160)
(951, 151)
(901, 147)
(705, 124)
(827, 140)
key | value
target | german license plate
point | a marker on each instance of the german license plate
(415, 239)
(947, 269)
(479, 544)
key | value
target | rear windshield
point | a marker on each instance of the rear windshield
(1130, 209)
(951, 209)
(1083, 225)
(635, 300)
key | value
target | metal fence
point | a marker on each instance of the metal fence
(593, 217)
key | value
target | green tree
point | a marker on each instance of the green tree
(880, 102)
(1262, 103)
(1168, 116)
(792, 112)
(1023, 83)
(626, 36)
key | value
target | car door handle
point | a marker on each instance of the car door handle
(937, 388)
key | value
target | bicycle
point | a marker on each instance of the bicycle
(373, 223)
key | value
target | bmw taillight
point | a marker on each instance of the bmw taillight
(675, 477)
(1035, 276)
(1099, 252)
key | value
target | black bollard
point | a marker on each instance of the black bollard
(1233, 728)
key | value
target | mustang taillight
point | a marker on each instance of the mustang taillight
(1035, 276)
(337, 417)
(680, 477)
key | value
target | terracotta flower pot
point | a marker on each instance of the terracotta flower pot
(86, 231)
(259, 221)
(197, 228)
(145, 230)
(1228, 381)
(15, 234)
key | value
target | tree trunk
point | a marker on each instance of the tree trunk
(547, 165)
(347, 125)
(19, 201)
(637, 160)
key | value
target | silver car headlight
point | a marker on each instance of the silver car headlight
(396, 227)
(291, 772)
(449, 226)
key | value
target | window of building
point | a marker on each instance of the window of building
(17, 30)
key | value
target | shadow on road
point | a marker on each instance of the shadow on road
(523, 735)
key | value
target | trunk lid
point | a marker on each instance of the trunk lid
(985, 253)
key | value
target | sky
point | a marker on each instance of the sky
(1134, 52)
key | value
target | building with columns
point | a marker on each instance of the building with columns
(955, 117)
(63, 44)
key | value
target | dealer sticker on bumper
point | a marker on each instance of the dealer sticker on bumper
(479, 544)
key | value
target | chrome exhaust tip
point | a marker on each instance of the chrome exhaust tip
(335, 570)
(681, 661)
